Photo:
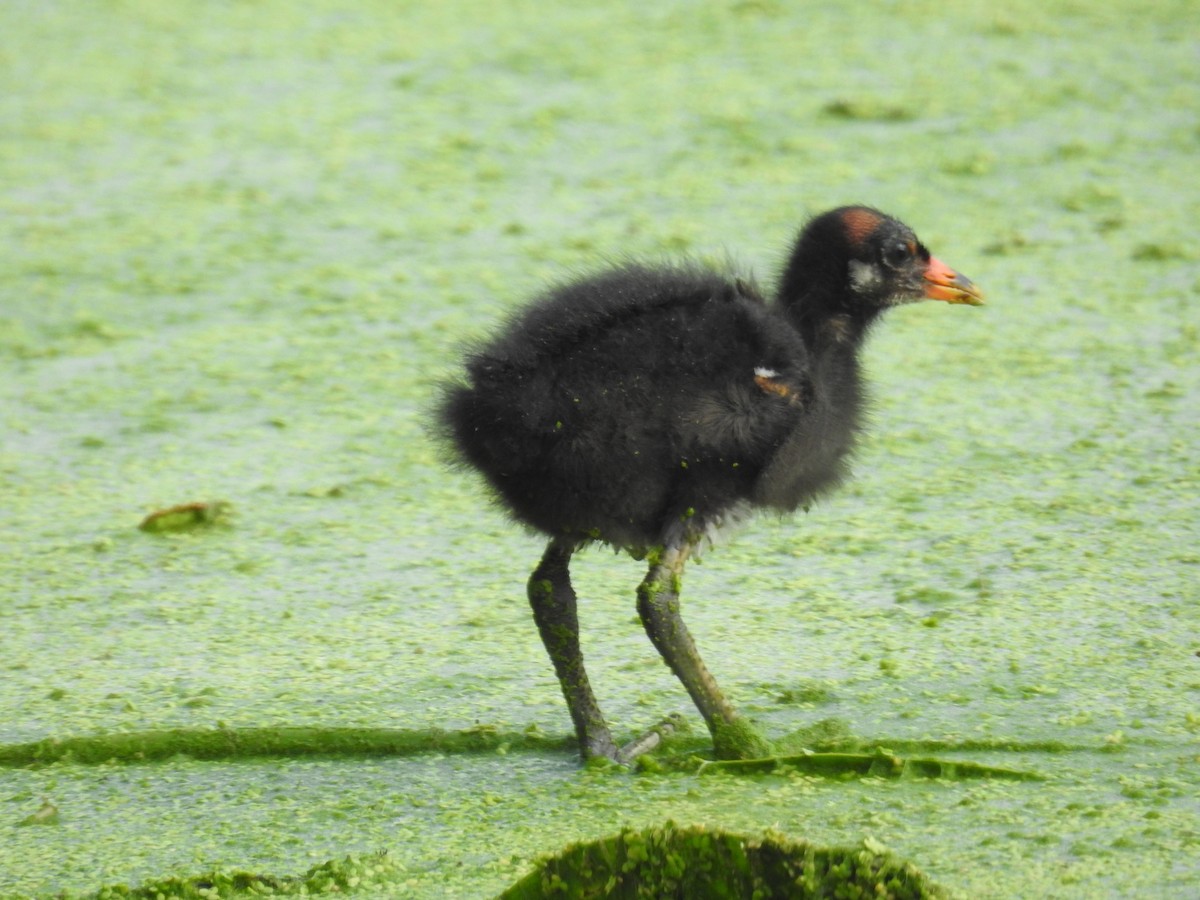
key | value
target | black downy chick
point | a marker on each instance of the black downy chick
(644, 407)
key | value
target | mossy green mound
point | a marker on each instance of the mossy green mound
(694, 862)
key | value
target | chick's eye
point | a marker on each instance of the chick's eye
(895, 255)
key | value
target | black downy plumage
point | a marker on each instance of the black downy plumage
(644, 407)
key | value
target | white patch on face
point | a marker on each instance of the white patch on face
(863, 276)
(763, 372)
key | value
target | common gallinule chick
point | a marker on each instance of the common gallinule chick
(645, 407)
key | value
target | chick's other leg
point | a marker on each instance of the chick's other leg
(553, 602)
(658, 606)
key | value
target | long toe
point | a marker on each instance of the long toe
(652, 739)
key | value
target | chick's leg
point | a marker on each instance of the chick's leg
(553, 600)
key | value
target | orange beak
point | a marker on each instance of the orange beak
(943, 283)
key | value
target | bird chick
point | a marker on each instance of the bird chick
(646, 406)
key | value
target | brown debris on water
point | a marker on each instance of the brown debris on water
(186, 516)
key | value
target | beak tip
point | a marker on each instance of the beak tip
(944, 283)
(974, 297)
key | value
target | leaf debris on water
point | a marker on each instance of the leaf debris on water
(186, 516)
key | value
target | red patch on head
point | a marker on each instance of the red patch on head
(860, 224)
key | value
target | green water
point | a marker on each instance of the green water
(242, 240)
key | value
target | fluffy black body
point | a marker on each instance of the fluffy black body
(643, 407)
(625, 406)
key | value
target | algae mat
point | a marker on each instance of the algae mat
(241, 241)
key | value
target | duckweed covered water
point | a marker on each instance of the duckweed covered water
(243, 242)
